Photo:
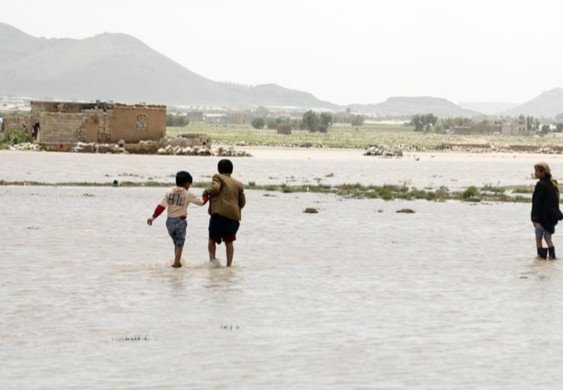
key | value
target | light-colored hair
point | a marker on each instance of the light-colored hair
(543, 166)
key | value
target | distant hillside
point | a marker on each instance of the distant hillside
(119, 67)
(549, 104)
(406, 106)
(488, 108)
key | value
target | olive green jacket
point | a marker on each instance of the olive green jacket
(226, 196)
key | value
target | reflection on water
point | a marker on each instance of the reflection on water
(356, 296)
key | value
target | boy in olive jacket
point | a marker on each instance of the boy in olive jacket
(226, 199)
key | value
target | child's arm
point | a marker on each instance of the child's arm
(241, 199)
(199, 201)
(157, 211)
(215, 186)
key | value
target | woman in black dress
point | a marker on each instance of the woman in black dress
(545, 209)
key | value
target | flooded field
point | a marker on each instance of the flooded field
(290, 166)
(356, 296)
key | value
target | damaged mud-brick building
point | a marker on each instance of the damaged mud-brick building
(100, 122)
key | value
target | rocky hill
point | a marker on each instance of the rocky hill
(119, 67)
(549, 104)
(407, 106)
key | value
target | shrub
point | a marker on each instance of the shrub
(13, 137)
(470, 192)
(258, 123)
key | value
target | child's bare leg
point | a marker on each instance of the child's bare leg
(549, 243)
(539, 242)
(177, 256)
(230, 248)
(212, 248)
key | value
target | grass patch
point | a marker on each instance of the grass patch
(13, 137)
(342, 135)
(352, 191)
(469, 193)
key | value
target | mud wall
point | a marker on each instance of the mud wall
(137, 123)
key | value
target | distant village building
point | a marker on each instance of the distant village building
(195, 116)
(515, 128)
(239, 117)
(497, 127)
(284, 129)
(215, 118)
(98, 122)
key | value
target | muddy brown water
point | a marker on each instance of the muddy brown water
(356, 296)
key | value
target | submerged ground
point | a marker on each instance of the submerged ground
(356, 296)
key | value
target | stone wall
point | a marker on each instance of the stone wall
(21, 123)
(137, 123)
(60, 127)
(515, 129)
(97, 122)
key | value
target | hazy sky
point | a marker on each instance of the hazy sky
(352, 51)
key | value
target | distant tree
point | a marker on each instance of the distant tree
(271, 123)
(315, 122)
(258, 123)
(310, 120)
(296, 123)
(559, 127)
(532, 123)
(357, 120)
(342, 117)
(177, 120)
(448, 123)
(544, 129)
(424, 122)
(325, 120)
(261, 111)
(282, 120)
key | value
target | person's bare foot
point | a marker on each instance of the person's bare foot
(176, 265)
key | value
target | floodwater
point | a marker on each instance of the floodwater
(354, 297)
(290, 166)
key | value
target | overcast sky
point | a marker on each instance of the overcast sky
(344, 51)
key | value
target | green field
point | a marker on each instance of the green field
(346, 136)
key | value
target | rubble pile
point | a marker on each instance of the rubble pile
(82, 147)
(27, 146)
(379, 150)
(184, 151)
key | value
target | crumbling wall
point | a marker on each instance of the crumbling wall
(138, 123)
(38, 107)
(86, 126)
(97, 122)
(60, 127)
(21, 123)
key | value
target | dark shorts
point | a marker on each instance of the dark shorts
(177, 230)
(222, 229)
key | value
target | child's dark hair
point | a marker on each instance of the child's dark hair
(225, 166)
(183, 177)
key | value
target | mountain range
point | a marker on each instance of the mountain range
(121, 68)
(406, 106)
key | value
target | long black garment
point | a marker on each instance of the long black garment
(545, 205)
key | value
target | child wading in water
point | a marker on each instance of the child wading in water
(177, 200)
(226, 199)
(545, 209)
